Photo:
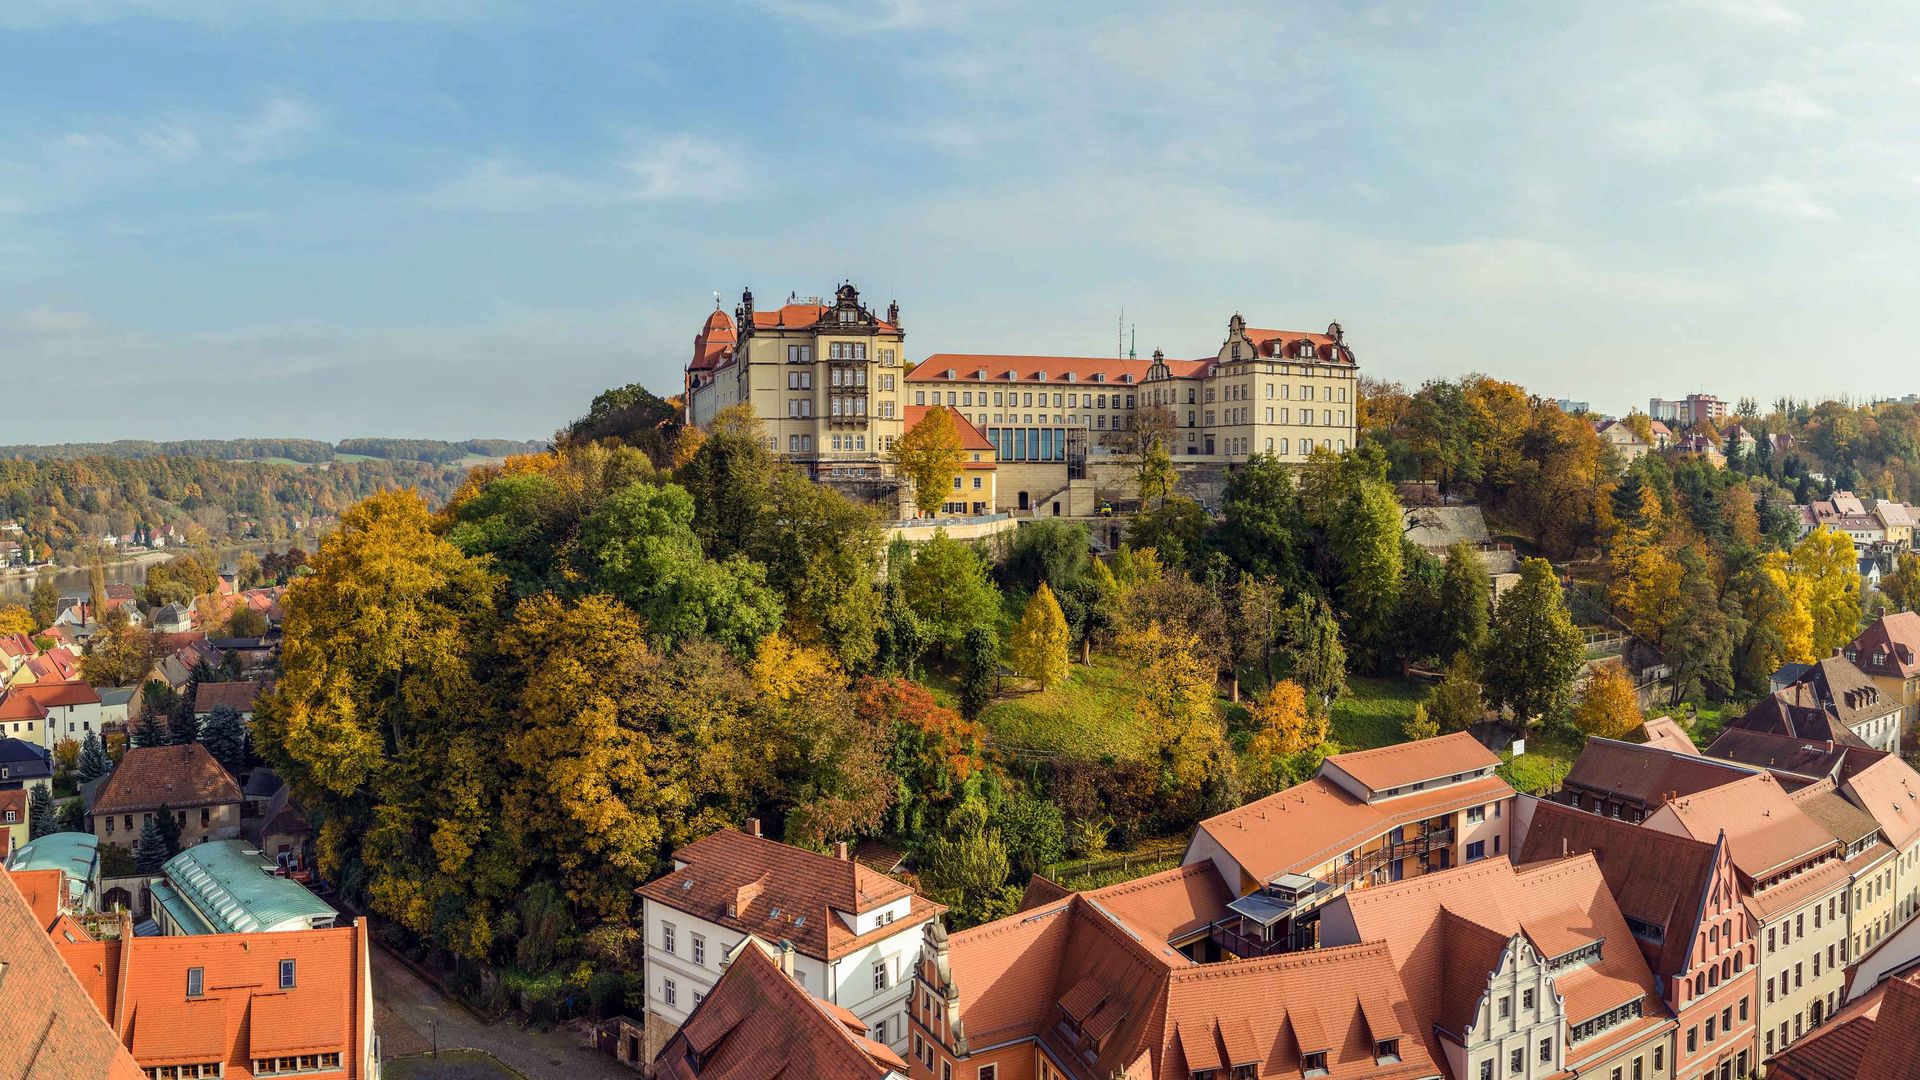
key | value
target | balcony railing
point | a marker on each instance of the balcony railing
(1372, 868)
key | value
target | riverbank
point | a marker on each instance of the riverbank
(17, 584)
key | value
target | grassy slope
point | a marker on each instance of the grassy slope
(1375, 711)
(1090, 715)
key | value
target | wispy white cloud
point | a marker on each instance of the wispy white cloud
(280, 128)
(689, 167)
(1775, 196)
(867, 16)
(499, 186)
(1766, 12)
(1780, 101)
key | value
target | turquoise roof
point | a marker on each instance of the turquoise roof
(77, 853)
(234, 889)
(182, 913)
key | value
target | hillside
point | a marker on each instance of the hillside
(281, 451)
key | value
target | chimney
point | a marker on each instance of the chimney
(786, 957)
(753, 826)
(1565, 848)
(840, 850)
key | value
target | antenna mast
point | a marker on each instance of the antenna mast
(1133, 340)
(1120, 335)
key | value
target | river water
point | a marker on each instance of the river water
(16, 588)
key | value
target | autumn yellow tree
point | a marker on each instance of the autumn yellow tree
(1040, 640)
(1282, 724)
(595, 772)
(1645, 574)
(1609, 706)
(16, 619)
(1825, 569)
(930, 456)
(1176, 700)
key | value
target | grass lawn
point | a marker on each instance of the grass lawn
(1089, 715)
(450, 1065)
(1375, 711)
(1549, 755)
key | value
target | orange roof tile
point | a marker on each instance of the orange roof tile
(1438, 969)
(43, 889)
(791, 893)
(1667, 734)
(970, 436)
(1408, 763)
(53, 695)
(1765, 831)
(1889, 791)
(140, 985)
(176, 777)
(16, 705)
(48, 1028)
(757, 1022)
(1095, 372)
(1305, 826)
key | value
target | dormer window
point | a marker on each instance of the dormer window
(1314, 1064)
(1040, 375)
(1070, 376)
(1305, 350)
(950, 374)
(1386, 1052)
(980, 373)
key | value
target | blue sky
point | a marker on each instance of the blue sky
(277, 217)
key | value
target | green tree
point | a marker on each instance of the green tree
(1260, 528)
(1465, 602)
(1313, 655)
(929, 455)
(150, 849)
(979, 661)
(41, 818)
(1040, 640)
(1050, 550)
(1455, 703)
(44, 604)
(93, 762)
(947, 587)
(147, 730)
(225, 737)
(1419, 725)
(1033, 830)
(968, 861)
(1533, 650)
(641, 547)
(1365, 537)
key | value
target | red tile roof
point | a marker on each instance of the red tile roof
(1765, 831)
(1099, 962)
(48, 1028)
(1551, 904)
(757, 1022)
(44, 889)
(778, 891)
(1667, 734)
(1303, 827)
(1647, 774)
(1889, 791)
(53, 695)
(1658, 878)
(1404, 764)
(1876, 1037)
(18, 706)
(1095, 372)
(970, 436)
(140, 985)
(238, 696)
(1890, 646)
(176, 777)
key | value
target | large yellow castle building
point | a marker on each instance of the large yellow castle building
(829, 383)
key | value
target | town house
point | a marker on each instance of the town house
(1368, 818)
(854, 931)
(182, 780)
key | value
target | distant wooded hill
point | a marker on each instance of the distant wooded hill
(305, 451)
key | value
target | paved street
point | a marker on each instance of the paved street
(407, 1012)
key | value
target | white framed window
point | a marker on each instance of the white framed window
(669, 993)
(667, 935)
(880, 976)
